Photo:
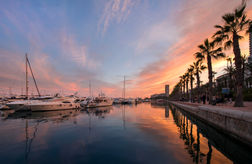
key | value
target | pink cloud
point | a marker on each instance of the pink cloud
(115, 10)
(194, 22)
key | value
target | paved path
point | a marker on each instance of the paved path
(247, 106)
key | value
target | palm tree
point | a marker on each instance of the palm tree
(207, 50)
(190, 73)
(230, 70)
(244, 59)
(230, 33)
(198, 68)
(182, 79)
(187, 82)
(176, 92)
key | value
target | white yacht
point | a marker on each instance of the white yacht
(100, 101)
(85, 102)
(19, 105)
(54, 104)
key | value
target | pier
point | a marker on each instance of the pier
(235, 122)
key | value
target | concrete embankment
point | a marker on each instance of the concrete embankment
(235, 123)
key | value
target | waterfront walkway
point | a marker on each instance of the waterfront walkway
(234, 121)
(227, 106)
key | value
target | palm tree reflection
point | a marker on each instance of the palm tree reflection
(185, 129)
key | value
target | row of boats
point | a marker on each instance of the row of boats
(52, 103)
(49, 103)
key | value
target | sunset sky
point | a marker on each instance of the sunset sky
(70, 43)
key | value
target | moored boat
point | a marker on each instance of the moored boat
(55, 104)
(100, 101)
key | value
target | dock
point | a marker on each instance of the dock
(235, 122)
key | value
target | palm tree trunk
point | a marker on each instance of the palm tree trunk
(198, 85)
(238, 73)
(191, 88)
(243, 72)
(187, 94)
(184, 88)
(181, 90)
(210, 77)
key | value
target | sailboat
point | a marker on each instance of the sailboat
(42, 103)
(129, 100)
(19, 105)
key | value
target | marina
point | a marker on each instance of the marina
(117, 134)
(126, 81)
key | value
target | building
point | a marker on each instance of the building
(250, 49)
(223, 81)
(158, 96)
(167, 90)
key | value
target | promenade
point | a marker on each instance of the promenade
(234, 121)
(224, 106)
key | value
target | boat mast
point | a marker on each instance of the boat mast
(26, 76)
(32, 75)
(124, 88)
(89, 88)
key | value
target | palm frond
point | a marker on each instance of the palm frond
(218, 40)
(199, 60)
(203, 67)
(227, 29)
(218, 50)
(244, 22)
(206, 43)
(202, 47)
(229, 18)
(240, 37)
(199, 55)
(228, 44)
(218, 33)
(218, 26)
(219, 55)
(249, 28)
(213, 43)
(225, 37)
(240, 11)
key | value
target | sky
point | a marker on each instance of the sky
(72, 44)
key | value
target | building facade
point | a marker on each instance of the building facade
(167, 90)
(250, 49)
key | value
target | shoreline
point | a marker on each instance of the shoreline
(235, 123)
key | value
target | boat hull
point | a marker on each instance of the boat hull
(54, 107)
(102, 104)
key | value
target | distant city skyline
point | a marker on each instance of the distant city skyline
(70, 43)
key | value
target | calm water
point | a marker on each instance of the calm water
(121, 134)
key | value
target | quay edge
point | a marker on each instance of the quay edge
(237, 124)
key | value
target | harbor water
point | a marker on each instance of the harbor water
(144, 133)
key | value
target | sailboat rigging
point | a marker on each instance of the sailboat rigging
(27, 63)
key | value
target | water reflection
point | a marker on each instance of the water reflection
(167, 111)
(29, 140)
(235, 151)
(119, 134)
(100, 112)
